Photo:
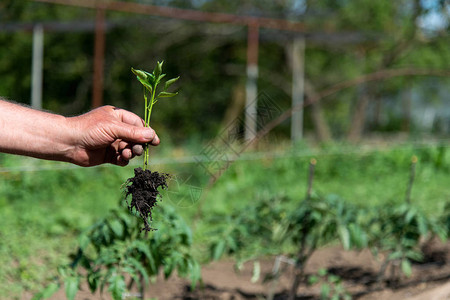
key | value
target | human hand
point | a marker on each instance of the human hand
(108, 135)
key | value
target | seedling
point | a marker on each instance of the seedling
(143, 187)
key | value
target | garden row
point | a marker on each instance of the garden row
(114, 255)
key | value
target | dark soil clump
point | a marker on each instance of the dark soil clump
(143, 188)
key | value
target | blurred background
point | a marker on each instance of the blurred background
(360, 85)
(323, 43)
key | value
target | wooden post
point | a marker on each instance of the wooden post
(312, 166)
(251, 88)
(412, 175)
(298, 83)
(37, 66)
(99, 57)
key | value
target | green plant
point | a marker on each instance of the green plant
(397, 230)
(317, 222)
(152, 94)
(248, 233)
(144, 186)
(113, 248)
(331, 287)
(269, 226)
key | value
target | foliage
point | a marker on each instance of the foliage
(270, 227)
(263, 227)
(313, 223)
(317, 222)
(331, 287)
(397, 231)
(249, 233)
(113, 248)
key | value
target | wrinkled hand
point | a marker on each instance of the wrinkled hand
(109, 135)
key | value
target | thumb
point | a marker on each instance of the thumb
(134, 134)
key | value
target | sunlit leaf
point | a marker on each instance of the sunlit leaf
(93, 279)
(219, 249)
(345, 237)
(406, 267)
(47, 292)
(116, 227)
(71, 287)
(140, 74)
(166, 94)
(313, 279)
(117, 286)
(170, 82)
(146, 85)
(138, 266)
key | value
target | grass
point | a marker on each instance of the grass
(45, 204)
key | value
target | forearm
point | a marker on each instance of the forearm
(30, 132)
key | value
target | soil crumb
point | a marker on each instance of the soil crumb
(143, 188)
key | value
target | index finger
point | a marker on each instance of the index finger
(129, 117)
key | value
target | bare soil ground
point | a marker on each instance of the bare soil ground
(430, 279)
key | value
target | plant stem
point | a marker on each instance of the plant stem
(146, 125)
(412, 175)
(147, 115)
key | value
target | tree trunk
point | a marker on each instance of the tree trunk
(236, 106)
(406, 107)
(321, 127)
(359, 116)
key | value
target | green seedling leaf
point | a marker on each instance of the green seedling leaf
(168, 268)
(117, 286)
(150, 76)
(71, 284)
(333, 279)
(166, 94)
(219, 249)
(83, 241)
(406, 267)
(195, 273)
(158, 69)
(395, 255)
(132, 273)
(161, 77)
(325, 291)
(93, 280)
(146, 85)
(140, 74)
(345, 237)
(47, 292)
(116, 227)
(138, 266)
(313, 279)
(143, 248)
(422, 225)
(410, 215)
(170, 82)
(322, 272)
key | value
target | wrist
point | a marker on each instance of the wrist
(70, 145)
(65, 143)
